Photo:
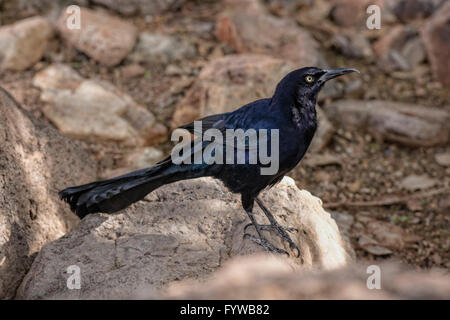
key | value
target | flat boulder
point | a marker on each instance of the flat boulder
(184, 230)
(36, 162)
(404, 123)
(95, 111)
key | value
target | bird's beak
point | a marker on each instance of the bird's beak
(331, 74)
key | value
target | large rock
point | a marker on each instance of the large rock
(409, 124)
(36, 162)
(104, 38)
(23, 43)
(161, 49)
(436, 34)
(230, 82)
(144, 7)
(184, 230)
(95, 111)
(248, 28)
(261, 277)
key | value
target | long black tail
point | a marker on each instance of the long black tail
(112, 195)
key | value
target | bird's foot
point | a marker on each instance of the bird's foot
(281, 231)
(263, 242)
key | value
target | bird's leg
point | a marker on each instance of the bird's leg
(262, 241)
(274, 226)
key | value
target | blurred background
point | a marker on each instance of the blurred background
(134, 70)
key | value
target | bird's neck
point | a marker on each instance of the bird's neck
(301, 110)
(304, 114)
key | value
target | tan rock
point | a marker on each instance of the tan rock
(408, 124)
(36, 161)
(132, 71)
(23, 43)
(95, 111)
(184, 230)
(248, 28)
(104, 38)
(161, 49)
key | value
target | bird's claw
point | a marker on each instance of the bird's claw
(286, 238)
(265, 244)
(281, 231)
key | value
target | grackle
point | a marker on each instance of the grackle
(291, 110)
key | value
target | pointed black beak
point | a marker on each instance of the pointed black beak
(331, 74)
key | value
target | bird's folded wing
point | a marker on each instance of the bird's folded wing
(215, 121)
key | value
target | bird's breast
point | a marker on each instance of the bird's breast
(294, 143)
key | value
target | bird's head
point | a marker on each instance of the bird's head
(304, 84)
(310, 80)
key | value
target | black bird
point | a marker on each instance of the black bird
(291, 110)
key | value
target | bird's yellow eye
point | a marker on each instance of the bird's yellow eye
(309, 79)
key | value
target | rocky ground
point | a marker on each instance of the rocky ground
(381, 159)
